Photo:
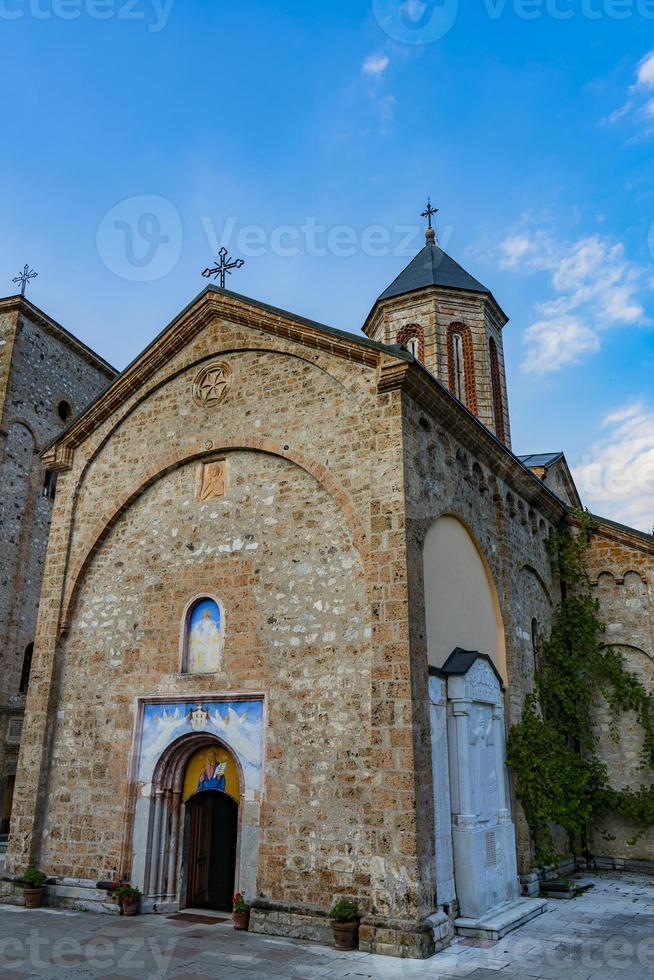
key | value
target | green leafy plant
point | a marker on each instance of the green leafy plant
(344, 911)
(126, 893)
(239, 904)
(553, 750)
(33, 878)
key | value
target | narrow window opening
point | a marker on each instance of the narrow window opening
(27, 667)
(459, 368)
(50, 484)
(64, 410)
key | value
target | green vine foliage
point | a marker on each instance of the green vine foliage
(552, 751)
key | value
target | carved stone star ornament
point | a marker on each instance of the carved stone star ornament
(211, 384)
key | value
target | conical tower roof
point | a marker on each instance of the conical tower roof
(433, 267)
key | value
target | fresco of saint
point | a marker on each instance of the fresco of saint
(213, 774)
(204, 638)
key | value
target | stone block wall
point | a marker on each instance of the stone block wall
(621, 567)
(307, 549)
(42, 367)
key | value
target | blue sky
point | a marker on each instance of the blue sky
(139, 134)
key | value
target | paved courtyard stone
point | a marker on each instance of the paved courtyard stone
(605, 933)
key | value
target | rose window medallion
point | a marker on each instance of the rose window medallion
(211, 384)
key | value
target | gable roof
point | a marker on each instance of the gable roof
(213, 302)
(37, 316)
(433, 267)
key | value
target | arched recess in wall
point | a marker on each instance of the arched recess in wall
(496, 385)
(412, 336)
(461, 365)
(461, 604)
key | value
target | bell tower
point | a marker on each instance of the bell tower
(453, 325)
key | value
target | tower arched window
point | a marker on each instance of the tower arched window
(461, 365)
(413, 338)
(496, 385)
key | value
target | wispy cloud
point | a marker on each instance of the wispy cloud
(375, 65)
(595, 287)
(616, 477)
(639, 104)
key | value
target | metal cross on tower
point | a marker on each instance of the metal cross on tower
(224, 267)
(430, 233)
(24, 277)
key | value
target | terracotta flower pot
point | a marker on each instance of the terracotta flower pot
(130, 908)
(346, 935)
(241, 920)
(33, 897)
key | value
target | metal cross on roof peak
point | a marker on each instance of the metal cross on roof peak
(430, 233)
(24, 277)
(224, 267)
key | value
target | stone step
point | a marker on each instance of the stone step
(498, 922)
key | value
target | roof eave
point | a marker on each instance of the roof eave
(210, 303)
(10, 303)
(486, 295)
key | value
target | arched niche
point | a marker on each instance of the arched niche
(461, 604)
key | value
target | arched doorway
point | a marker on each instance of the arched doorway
(193, 825)
(212, 828)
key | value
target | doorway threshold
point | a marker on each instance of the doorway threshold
(207, 917)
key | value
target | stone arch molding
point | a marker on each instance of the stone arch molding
(192, 367)
(462, 606)
(75, 574)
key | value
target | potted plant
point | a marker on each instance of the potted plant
(33, 882)
(345, 924)
(240, 912)
(128, 898)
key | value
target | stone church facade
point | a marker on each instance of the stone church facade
(47, 377)
(292, 590)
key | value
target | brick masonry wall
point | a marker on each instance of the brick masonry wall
(40, 368)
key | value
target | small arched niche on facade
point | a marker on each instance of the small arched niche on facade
(203, 632)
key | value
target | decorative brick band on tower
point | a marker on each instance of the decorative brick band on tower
(498, 404)
(463, 330)
(407, 333)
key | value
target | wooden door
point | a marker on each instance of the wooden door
(212, 850)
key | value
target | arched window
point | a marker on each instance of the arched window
(461, 365)
(202, 636)
(496, 384)
(413, 338)
(27, 667)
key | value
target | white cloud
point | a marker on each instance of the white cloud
(595, 287)
(375, 65)
(645, 73)
(616, 477)
(639, 106)
(555, 343)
